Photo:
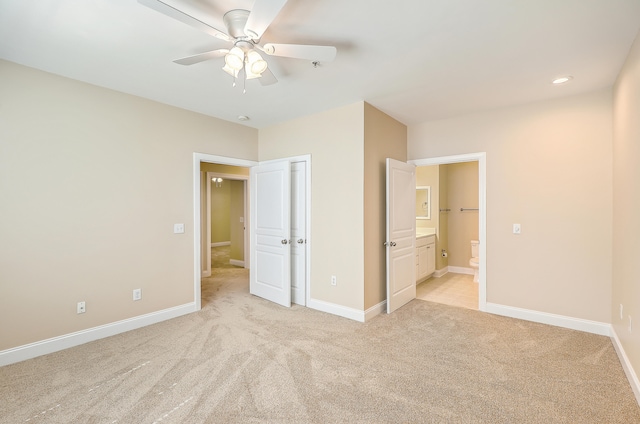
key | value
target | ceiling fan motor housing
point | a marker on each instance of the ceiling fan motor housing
(235, 21)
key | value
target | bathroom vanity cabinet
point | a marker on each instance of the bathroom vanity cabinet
(425, 256)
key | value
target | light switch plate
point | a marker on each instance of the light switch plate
(516, 229)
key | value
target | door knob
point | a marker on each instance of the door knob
(393, 243)
(284, 241)
(300, 241)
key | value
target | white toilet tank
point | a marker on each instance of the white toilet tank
(475, 248)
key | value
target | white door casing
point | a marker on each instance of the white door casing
(270, 275)
(401, 234)
(298, 232)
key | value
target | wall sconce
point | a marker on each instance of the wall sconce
(218, 181)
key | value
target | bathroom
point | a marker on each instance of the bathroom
(447, 205)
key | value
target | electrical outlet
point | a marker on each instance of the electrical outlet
(178, 228)
(516, 229)
(137, 294)
(81, 308)
(621, 314)
(334, 280)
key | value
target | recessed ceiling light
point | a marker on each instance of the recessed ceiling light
(562, 80)
(243, 118)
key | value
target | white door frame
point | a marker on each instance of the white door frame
(197, 223)
(234, 177)
(481, 158)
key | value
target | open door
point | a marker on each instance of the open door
(270, 275)
(298, 232)
(401, 234)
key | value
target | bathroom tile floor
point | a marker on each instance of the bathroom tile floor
(450, 289)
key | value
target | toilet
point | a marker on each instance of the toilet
(474, 262)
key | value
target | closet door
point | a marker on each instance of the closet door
(270, 275)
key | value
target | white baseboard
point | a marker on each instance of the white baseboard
(332, 308)
(297, 297)
(221, 243)
(440, 272)
(375, 310)
(236, 262)
(460, 270)
(579, 324)
(43, 347)
(346, 312)
(626, 365)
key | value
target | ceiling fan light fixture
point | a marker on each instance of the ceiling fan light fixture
(251, 34)
(235, 58)
(229, 70)
(257, 65)
(249, 74)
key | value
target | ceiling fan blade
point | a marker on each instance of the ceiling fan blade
(174, 13)
(190, 60)
(301, 51)
(261, 16)
(267, 77)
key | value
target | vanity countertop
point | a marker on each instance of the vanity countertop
(425, 232)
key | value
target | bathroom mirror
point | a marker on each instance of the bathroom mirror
(423, 202)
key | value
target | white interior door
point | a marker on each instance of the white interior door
(298, 232)
(401, 234)
(270, 275)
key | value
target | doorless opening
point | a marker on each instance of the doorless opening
(198, 203)
(482, 213)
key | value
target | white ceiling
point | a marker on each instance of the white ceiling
(417, 60)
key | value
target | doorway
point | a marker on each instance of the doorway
(301, 198)
(466, 214)
(226, 200)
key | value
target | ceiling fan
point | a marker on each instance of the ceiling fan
(244, 29)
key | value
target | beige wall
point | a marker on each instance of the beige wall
(456, 185)
(384, 137)
(236, 211)
(462, 192)
(220, 207)
(549, 168)
(335, 141)
(443, 233)
(224, 169)
(626, 205)
(431, 176)
(91, 182)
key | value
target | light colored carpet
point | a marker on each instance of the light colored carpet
(245, 360)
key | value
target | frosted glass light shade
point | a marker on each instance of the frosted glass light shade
(229, 70)
(257, 65)
(235, 58)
